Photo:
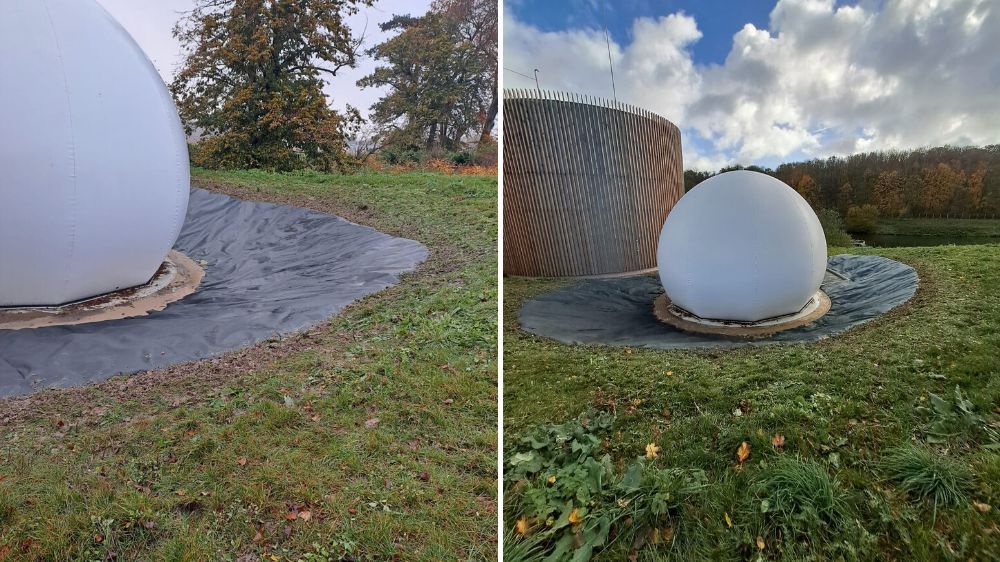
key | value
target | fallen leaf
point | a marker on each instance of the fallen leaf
(352, 511)
(371, 423)
(652, 451)
(305, 515)
(98, 538)
(552, 479)
(983, 507)
(258, 536)
(522, 526)
(743, 453)
(181, 492)
(729, 522)
(449, 402)
(242, 461)
(670, 373)
(778, 440)
(425, 476)
(667, 534)
(760, 543)
(574, 518)
(292, 516)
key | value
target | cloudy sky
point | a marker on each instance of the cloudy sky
(767, 82)
(151, 22)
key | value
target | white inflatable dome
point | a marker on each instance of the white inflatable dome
(93, 159)
(741, 246)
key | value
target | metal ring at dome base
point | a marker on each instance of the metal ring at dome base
(178, 277)
(681, 319)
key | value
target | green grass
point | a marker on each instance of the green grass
(211, 461)
(938, 227)
(841, 405)
(926, 475)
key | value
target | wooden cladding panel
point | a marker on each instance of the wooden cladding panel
(587, 184)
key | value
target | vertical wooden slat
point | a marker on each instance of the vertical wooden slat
(587, 184)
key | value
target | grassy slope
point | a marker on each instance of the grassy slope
(205, 461)
(939, 227)
(854, 395)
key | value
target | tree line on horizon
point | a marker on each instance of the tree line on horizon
(946, 181)
(252, 80)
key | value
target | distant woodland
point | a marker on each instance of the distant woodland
(953, 182)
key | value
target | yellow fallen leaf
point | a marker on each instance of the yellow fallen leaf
(670, 373)
(760, 543)
(983, 507)
(305, 515)
(522, 526)
(667, 534)
(574, 517)
(652, 451)
(552, 479)
(729, 522)
(743, 453)
(778, 440)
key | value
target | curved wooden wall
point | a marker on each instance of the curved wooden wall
(587, 184)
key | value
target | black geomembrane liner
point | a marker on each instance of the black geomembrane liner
(620, 311)
(271, 270)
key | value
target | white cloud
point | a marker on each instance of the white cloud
(151, 23)
(820, 80)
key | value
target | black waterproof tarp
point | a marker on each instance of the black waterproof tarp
(620, 311)
(271, 270)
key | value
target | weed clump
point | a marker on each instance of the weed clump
(927, 476)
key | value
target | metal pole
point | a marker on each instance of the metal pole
(536, 82)
(607, 40)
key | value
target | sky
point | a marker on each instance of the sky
(765, 82)
(151, 22)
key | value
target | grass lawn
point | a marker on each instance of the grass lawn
(938, 227)
(856, 447)
(371, 437)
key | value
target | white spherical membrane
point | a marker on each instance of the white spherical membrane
(94, 176)
(741, 246)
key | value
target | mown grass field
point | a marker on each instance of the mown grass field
(938, 227)
(371, 437)
(850, 454)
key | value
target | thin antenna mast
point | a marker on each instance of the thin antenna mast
(607, 40)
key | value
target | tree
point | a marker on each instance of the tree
(807, 188)
(845, 196)
(437, 78)
(479, 26)
(861, 219)
(888, 194)
(252, 81)
(938, 187)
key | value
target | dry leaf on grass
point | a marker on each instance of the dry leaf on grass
(743, 453)
(778, 440)
(652, 451)
(574, 517)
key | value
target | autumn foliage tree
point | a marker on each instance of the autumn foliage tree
(945, 181)
(251, 83)
(888, 194)
(440, 70)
